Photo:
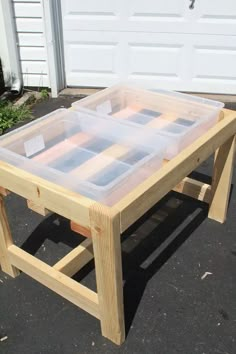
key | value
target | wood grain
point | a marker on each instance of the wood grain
(108, 267)
(5, 242)
(54, 280)
(76, 259)
(143, 197)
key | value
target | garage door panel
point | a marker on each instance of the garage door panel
(160, 60)
(93, 59)
(221, 9)
(151, 16)
(213, 64)
(180, 61)
(140, 24)
(90, 7)
(216, 56)
(153, 8)
(81, 57)
(87, 80)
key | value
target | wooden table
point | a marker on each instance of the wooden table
(103, 225)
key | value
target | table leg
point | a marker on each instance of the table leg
(108, 267)
(5, 242)
(221, 181)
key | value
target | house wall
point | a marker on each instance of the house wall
(31, 41)
(4, 55)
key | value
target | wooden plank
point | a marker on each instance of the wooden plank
(80, 229)
(76, 259)
(221, 182)
(100, 161)
(37, 208)
(80, 256)
(142, 198)
(108, 267)
(194, 189)
(71, 205)
(5, 242)
(65, 146)
(188, 186)
(159, 121)
(54, 280)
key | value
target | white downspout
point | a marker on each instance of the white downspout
(11, 46)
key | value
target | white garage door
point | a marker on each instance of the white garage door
(159, 43)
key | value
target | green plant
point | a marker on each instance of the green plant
(44, 94)
(10, 115)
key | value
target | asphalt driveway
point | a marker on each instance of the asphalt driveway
(180, 281)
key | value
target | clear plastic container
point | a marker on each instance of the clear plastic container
(181, 118)
(97, 157)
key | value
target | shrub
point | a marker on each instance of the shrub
(44, 94)
(10, 115)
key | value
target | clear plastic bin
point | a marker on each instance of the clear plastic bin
(99, 158)
(181, 118)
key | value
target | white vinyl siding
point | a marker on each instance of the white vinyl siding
(31, 41)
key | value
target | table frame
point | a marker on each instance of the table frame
(103, 225)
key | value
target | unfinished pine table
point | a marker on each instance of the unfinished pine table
(102, 225)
